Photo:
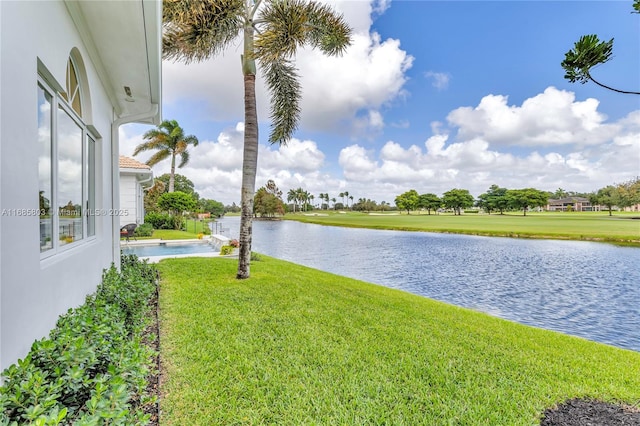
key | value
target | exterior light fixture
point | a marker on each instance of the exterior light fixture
(129, 97)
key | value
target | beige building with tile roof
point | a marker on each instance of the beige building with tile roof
(130, 163)
(135, 177)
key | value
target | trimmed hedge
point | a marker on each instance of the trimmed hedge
(164, 221)
(144, 230)
(93, 368)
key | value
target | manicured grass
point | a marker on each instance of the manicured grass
(597, 226)
(293, 345)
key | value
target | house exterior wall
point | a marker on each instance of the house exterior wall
(35, 291)
(131, 205)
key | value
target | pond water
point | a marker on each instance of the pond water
(591, 290)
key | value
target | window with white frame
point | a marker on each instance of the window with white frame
(66, 166)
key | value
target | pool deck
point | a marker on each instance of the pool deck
(154, 242)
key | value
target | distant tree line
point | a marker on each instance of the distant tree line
(268, 201)
(499, 200)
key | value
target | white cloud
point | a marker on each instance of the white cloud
(550, 118)
(439, 80)
(215, 167)
(479, 156)
(337, 91)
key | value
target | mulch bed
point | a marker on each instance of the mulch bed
(585, 412)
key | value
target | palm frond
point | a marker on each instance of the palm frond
(158, 157)
(155, 136)
(198, 30)
(328, 31)
(282, 81)
(284, 29)
(144, 146)
(191, 140)
(180, 147)
(290, 24)
(184, 159)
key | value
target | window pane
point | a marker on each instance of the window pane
(69, 182)
(44, 170)
(73, 88)
(91, 187)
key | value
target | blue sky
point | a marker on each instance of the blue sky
(431, 96)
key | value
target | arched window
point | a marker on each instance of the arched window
(66, 160)
(73, 95)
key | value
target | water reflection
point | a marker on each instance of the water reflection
(585, 289)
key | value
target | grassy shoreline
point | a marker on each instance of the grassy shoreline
(598, 227)
(294, 345)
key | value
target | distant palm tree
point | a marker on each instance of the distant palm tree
(346, 195)
(351, 198)
(169, 141)
(341, 195)
(292, 196)
(272, 32)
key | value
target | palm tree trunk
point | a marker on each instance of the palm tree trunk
(172, 175)
(250, 155)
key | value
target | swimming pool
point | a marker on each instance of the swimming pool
(169, 249)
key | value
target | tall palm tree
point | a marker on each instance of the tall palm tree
(292, 196)
(346, 195)
(321, 196)
(169, 141)
(272, 31)
(341, 195)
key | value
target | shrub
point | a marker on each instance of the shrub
(234, 243)
(93, 367)
(225, 250)
(144, 230)
(164, 220)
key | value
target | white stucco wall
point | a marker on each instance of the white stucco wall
(129, 195)
(35, 292)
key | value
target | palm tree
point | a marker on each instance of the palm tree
(272, 31)
(323, 197)
(170, 141)
(341, 195)
(351, 198)
(346, 195)
(292, 196)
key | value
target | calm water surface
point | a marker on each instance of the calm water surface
(591, 290)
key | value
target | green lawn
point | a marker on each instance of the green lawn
(293, 345)
(597, 226)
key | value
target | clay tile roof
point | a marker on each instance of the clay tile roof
(130, 163)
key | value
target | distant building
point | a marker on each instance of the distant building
(134, 178)
(576, 204)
